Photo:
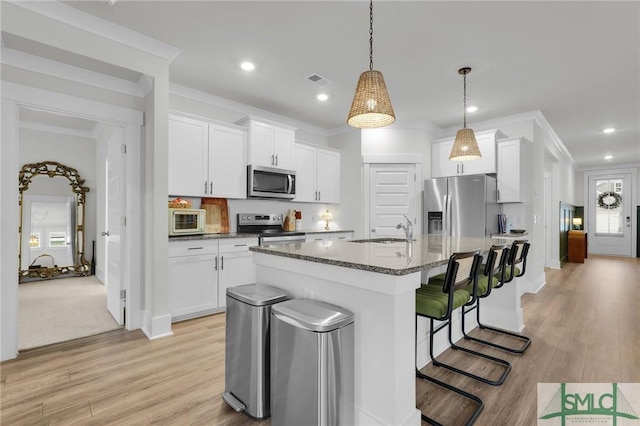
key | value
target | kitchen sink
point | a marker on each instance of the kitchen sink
(381, 240)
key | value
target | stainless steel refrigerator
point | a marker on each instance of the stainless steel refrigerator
(463, 206)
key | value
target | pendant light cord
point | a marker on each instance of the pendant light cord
(464, 100)
(371, 35)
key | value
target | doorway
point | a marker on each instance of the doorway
(55, 136)
(611, 217)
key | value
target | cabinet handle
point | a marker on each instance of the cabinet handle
(211, 186)
(273, 163)
(462, 166)
(222, 263)
(458, 168)
(319, 197)
(239, 245)
(215, 268)
(498, 195)
(276, 160)
(205, 187)
(195, 248)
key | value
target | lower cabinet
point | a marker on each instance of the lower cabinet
(327, 236)
(200, 271)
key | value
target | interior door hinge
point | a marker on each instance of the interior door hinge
(123, 148)
(123, 294)
(414, 177)
(123, 221)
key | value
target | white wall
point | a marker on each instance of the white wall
(72, 151)
(351, 199)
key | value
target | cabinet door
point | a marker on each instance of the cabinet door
(236, 268)
(194, 284)
(260, 144)
(509, 178)
(187, 157)
(305, 168)
(486, 164)
(284, 147)
(227, 167)
(328, 176)
(440, 164)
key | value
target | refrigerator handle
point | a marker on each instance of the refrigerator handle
(445, 215)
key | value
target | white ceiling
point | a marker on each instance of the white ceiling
(577, 61)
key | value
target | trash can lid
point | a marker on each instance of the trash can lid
(313, 315)
(257, 294)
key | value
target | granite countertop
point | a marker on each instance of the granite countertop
(394, 258)
(212, 236)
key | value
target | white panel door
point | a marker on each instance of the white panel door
(391, 195)
(114, 235)
(610, 214)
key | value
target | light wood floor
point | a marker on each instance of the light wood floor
(585, 325)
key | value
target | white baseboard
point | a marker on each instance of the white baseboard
(156, 327)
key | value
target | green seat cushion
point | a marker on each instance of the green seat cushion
(437, 278)
(507, 273)
(432, 302)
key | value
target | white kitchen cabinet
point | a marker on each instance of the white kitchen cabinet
(193, 277)
(200, 271)
(236, 265)
(328, 236)
(270, 144)
(317, 174)
(206, 159)
(441, 166)
(511, 170)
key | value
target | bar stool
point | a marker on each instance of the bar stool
(481, 286)
(437, 303)
(517, 256)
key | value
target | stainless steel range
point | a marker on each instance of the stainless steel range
(269, 227)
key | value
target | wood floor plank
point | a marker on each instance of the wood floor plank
(584, 324)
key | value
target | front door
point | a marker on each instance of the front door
(609, 201)
(115, 220)
(391, 195)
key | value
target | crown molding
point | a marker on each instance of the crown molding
(541, 120)
(76, 18)
(48, 128)
(45, 66)
(243, 109)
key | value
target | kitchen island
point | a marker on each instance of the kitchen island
(376, 280)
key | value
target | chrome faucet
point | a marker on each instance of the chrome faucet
(408, 228)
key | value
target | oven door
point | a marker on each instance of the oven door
(268, 182)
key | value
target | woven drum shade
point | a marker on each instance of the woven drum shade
(371, 106)
(465, 146)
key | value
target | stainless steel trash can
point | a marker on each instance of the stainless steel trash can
(247, 347)
(312, 352)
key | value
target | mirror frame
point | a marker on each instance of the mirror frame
(52, 169)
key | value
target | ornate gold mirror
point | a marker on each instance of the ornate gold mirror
(51, 221)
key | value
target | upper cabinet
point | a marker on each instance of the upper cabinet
(270, 144)
(206, 159)
(441, 166)
(317, 174)
(511, 154)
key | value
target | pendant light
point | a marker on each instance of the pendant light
(465, 147)
(371, 106)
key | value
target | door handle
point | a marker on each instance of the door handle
(105, 234)
(373, 229)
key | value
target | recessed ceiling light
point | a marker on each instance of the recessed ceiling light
(247, 66)
(322, 97)
(609, 130)
(608, 157)
(472, 108)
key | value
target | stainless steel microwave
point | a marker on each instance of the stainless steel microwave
(186, 221)
(269, 182)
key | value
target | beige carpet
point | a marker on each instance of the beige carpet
(58, 310)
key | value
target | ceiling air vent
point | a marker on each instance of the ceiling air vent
(317, 79)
